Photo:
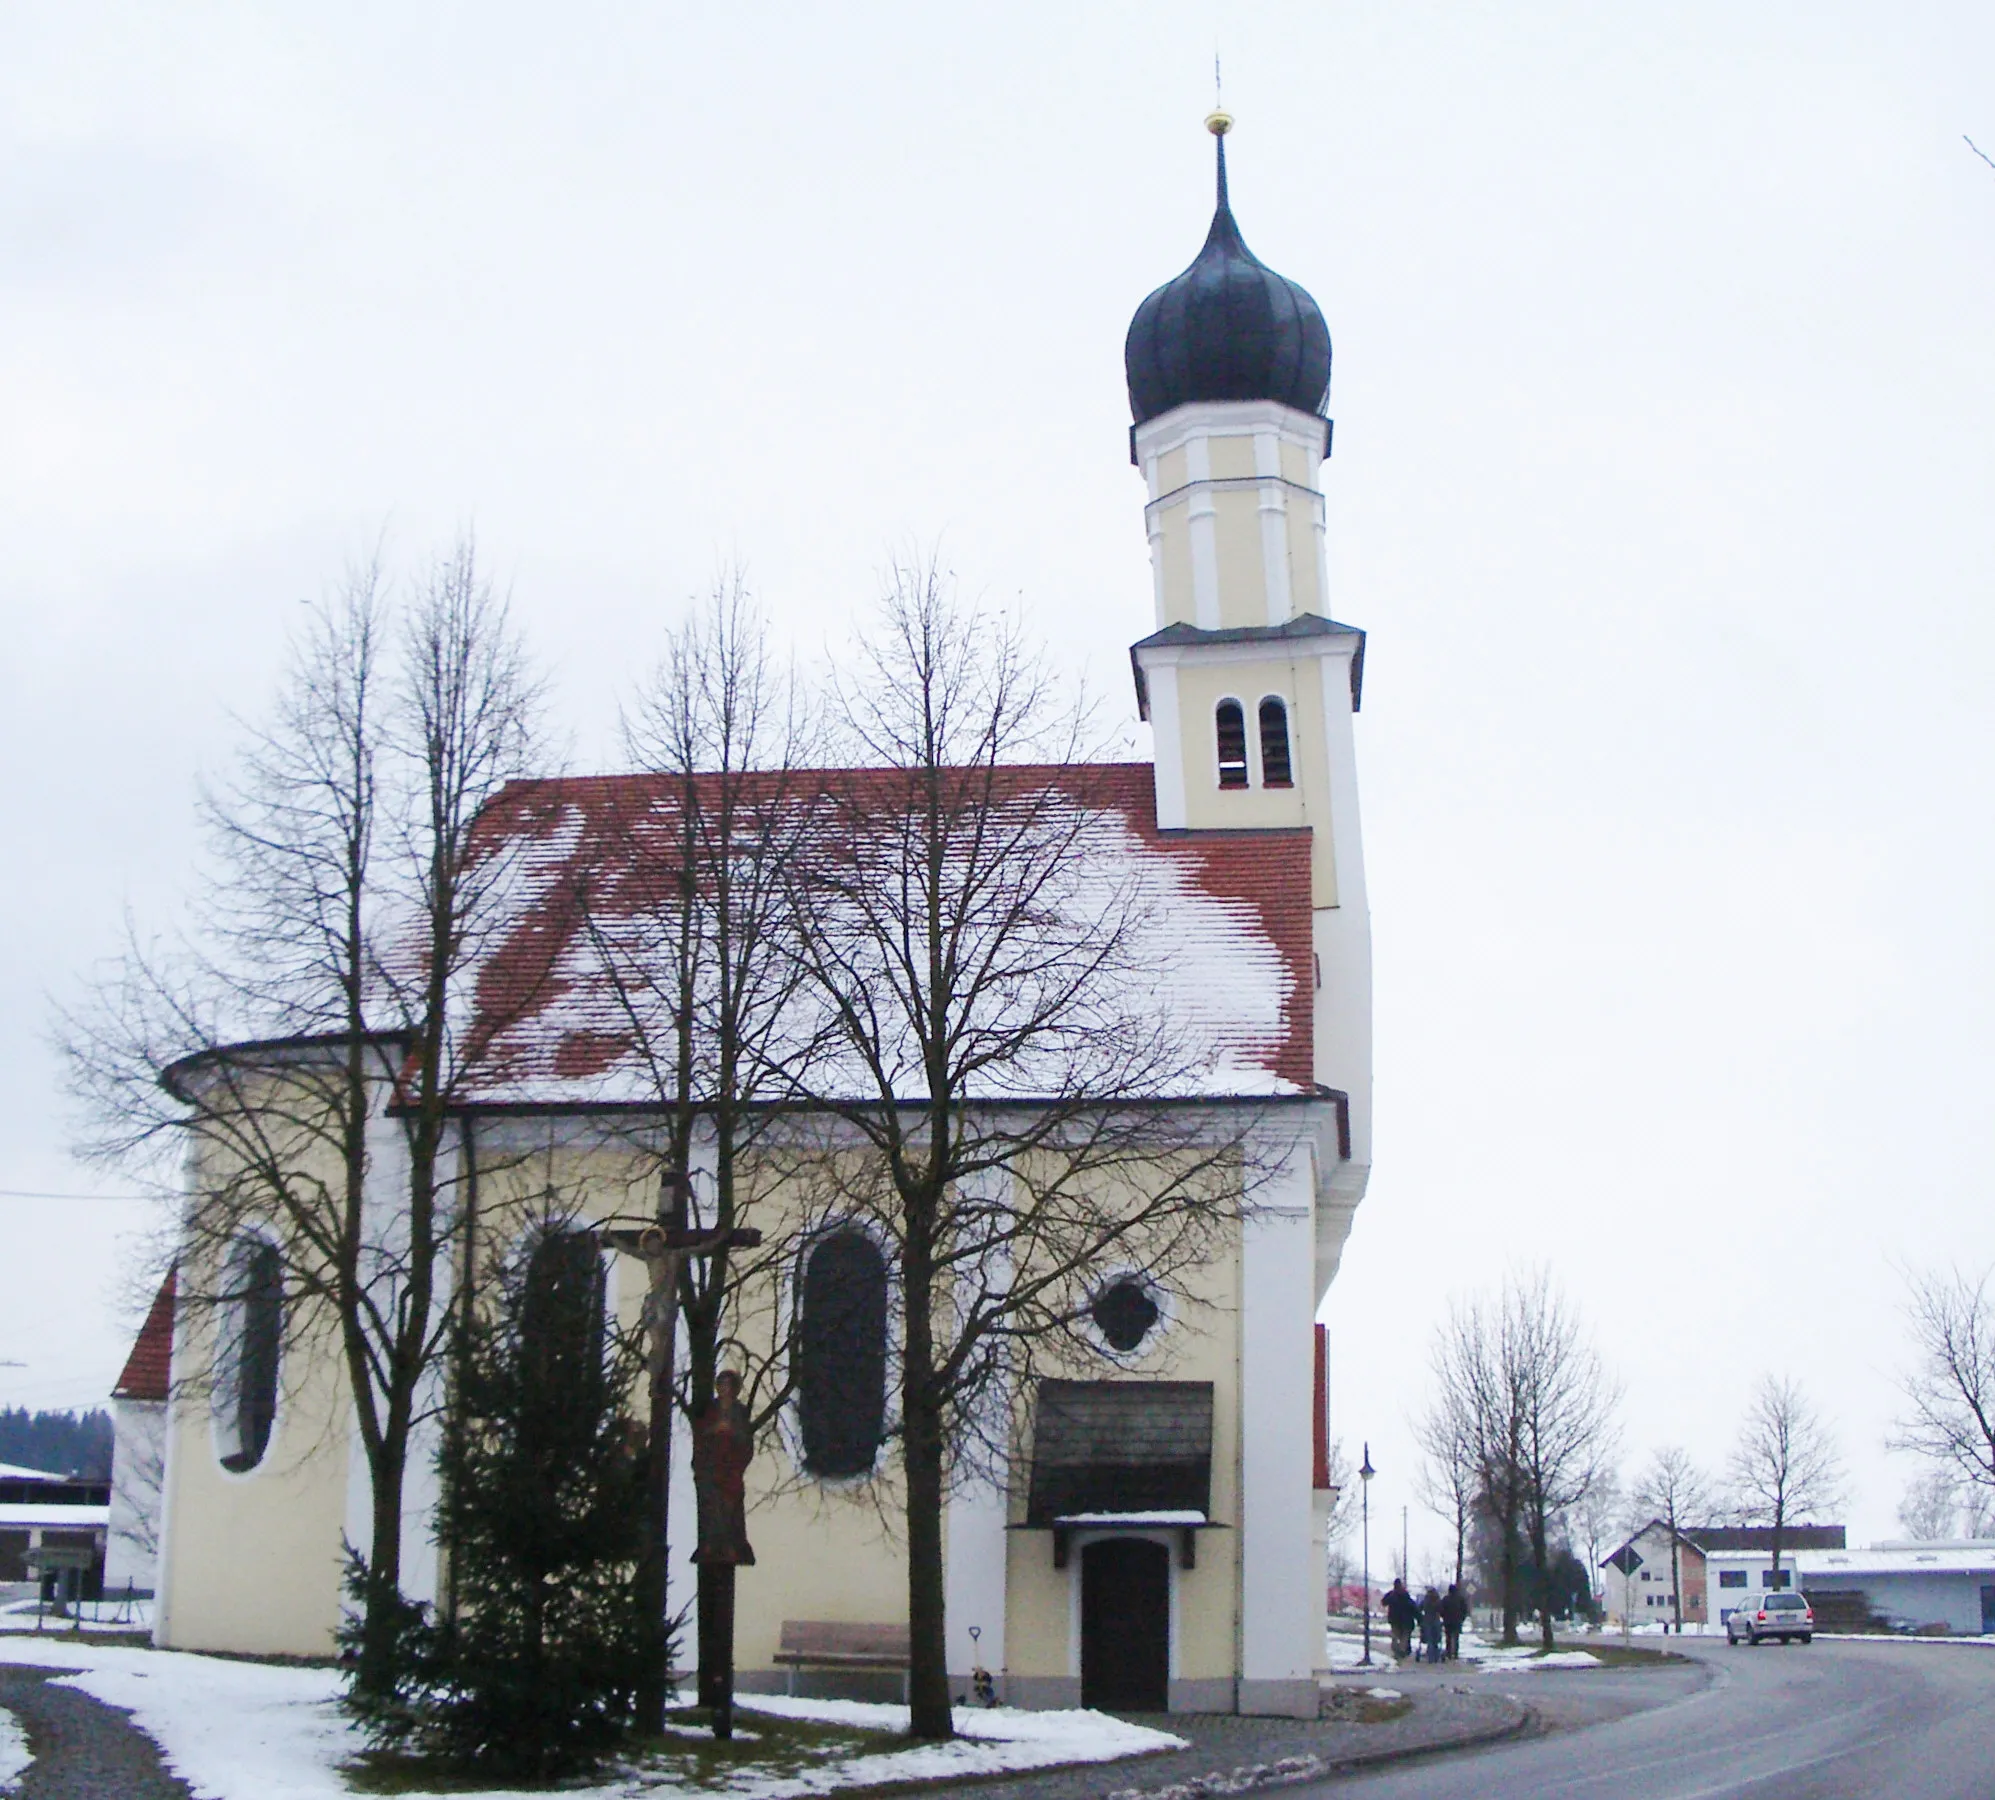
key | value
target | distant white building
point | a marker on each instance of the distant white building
(138, 1461)
(40, 1510)
(1641, 1578)
(1946, 1587)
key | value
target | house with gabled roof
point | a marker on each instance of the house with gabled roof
(1157, 1539)
(138, 1456)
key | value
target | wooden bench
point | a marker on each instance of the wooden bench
(836, 1644)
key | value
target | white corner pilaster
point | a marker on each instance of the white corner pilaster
(1201, 522)
(1274, 528)
(1167, 744)
(1281, 1608)
(974, 1540)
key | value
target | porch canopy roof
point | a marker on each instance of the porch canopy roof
(1103, 1449)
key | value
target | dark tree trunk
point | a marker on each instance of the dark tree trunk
(1509, 1569)
(921, 1441)
(653, 1680)
(376, 1672)
(1542, 1555)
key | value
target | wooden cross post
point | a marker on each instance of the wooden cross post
(664, 1245)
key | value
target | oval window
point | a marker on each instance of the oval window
(253, 1330)
(842, 1355)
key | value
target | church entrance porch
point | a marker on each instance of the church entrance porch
(1125, 1625)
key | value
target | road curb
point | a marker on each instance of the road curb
(1284, 1771)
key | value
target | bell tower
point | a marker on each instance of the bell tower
(1249, 685)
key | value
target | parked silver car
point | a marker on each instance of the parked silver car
(1760, 1616)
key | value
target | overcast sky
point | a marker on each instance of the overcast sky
(1665, 369)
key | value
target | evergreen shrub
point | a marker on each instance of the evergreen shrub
(530, 1671)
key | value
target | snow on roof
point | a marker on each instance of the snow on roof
(148, 1370)
(1971, 1555)
(1221, 944)
(15, 1472)
(54, 1515)
(1172, 1516)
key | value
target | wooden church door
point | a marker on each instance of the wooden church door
(1125, 1625)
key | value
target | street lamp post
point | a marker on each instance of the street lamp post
(1365, 1474)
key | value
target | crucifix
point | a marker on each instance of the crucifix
(665, 1243)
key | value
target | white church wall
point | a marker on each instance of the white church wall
(138, 1477)
(1281, 1608)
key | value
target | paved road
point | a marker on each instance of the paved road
(1825, 1721)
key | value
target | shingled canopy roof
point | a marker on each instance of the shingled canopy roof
(1109, 1447)
(1224, 946)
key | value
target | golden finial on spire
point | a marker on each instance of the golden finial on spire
(1218, 121)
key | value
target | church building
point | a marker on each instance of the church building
(1156, 1542)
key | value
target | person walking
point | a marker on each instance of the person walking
(1402, 1613)
(1430, 1626)
(1454, 1614)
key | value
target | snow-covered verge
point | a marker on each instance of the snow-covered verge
(1344, 1649)
(14, 1752)
(252, 1731)
(1985, 1641)
(1511, 1661)
(115, 1614)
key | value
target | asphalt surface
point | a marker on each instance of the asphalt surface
(1822, 1721)
(84, 1750)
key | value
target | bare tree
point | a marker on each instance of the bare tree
(1480, 1406)
(1448, 1482)
(1566, 1402)
(1343, 1510)
(1784, 1467)
(1931, 1507)
(1518, 1380)
(1597, 1518)
(1673, 1489)
(994, 1049)
(689, 915)
(346, 898)
(1950, 1390)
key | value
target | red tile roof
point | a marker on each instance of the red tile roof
(149, 1368)
(1226, 924)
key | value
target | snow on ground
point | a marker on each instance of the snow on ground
(254, 1731)
(994, 1740)
(14, 1752)
(114, 1614)
(1986, 1641)
(1511, 1661)
(1343, 1649)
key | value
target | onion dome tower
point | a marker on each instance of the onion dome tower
(1228, 328)
(1248, 684)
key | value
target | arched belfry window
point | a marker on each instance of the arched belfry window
(1231, 723)
(1275, 770)
(252, 1328)
(842, 1354)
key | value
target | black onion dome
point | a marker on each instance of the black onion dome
(1228, 328)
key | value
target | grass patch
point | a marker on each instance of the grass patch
(762, 1744)
(1353, 1706)
(1630, 1656)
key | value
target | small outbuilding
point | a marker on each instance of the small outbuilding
(1941, 1589)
